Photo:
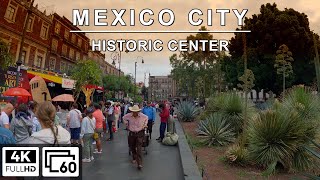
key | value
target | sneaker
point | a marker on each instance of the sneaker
(85, 160)
(96, 152)
(92, 158)
(99, 152)
(94, 142)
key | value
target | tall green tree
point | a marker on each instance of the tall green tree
(283, 64)
(86, 72)
(6, 58)
(269, 29)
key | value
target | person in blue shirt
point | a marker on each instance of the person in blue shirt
(149, 111)
(6, 138)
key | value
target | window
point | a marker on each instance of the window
(38, 62)
(66, 34)
(77, 56)
(52, 64)
(10, 13)
(57, 28)
(54, 45)
(30, 24)
(71, 54)
(64, 50)
(63, 66)
(44, 31)
(79, 42)
(73, 39)
(23, 57)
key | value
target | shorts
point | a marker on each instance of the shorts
(99, 131)
(75, 133)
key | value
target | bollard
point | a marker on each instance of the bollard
(202, 172)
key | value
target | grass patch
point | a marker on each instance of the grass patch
(194, 142)
(242, 174)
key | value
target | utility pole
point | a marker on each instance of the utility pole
(317, 63)
(19, 62)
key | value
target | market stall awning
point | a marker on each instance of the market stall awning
(46, 77)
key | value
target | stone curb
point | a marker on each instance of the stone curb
(189, 166)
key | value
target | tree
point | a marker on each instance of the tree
(283, 63)
(195, 70)
(269, 29)
(86, 72)
(6, 58)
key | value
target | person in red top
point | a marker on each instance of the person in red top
(98, 115)
(164, 116)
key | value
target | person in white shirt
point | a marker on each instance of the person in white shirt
(74, 122)
(4, 117)
(88, 126)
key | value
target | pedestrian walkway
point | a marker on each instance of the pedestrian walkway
(161, 162)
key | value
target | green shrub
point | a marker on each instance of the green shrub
(215, 131)
(276, 138)
(187, 111)
(232, 107)
(237, 154)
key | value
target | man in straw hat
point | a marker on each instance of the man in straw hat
(136, 123)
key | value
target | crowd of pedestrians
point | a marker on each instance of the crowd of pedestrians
(46, 123)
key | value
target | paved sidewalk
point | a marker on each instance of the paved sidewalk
(161, 162)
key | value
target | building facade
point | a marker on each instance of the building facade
(161, 88)
(66, 48)
(106, 67)
(13, 15)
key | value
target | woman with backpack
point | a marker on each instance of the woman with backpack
(50, 132)
(88, 127)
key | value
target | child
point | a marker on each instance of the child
(88, 127)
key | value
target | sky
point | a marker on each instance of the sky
(157, 63)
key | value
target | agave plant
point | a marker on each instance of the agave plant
(275, 138)
(232, 107)
(316, 153)
(304, 103)
(215, 130)
(237, 154)
(187, 111)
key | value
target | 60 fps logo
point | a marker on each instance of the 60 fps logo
(20, 161)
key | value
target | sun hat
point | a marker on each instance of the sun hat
(135, 108)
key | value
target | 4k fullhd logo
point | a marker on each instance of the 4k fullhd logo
(20, 161)
(60, 162)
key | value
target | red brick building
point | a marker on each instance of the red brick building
(13, 14)
(66, 48)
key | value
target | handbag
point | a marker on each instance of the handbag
(95, 135)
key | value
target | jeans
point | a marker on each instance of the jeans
(110, 129)
(87, 146)
(163, 126)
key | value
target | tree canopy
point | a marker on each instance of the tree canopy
(6, 58)
(270, 29)
(86, 72)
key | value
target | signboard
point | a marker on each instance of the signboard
(68, 83)
(8, 79)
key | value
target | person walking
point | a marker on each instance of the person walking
(136, 123)
(88, 127)
(50, 133)
(164, 116)
(98, 115)
(4, 117)
(74, 123)
(21, 125)
(150, 111)
(117, 113)
(110, 119)
(63, 114)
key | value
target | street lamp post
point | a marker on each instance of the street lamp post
(135, 74)
(19, 62)
(117, 56)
